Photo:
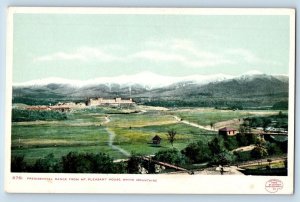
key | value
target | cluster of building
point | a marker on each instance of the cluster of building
(66, 106)
(112, 102)
(63, 107)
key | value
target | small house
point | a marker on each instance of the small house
(156, 140)
(227, 131)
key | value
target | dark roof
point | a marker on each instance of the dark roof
(227, 129)
(156, 137)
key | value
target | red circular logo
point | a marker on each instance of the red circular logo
(273, 185)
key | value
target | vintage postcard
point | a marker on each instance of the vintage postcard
(150, 100)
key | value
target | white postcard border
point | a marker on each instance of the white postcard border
(158, 184)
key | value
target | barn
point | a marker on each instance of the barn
(156, 140)
(227, 131)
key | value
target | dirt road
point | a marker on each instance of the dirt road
(193, 124)
(112, 136)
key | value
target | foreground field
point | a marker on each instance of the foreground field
(116, 132)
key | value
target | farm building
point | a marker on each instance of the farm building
(156, 140)
(102, 101)
(38, 108)
(49, 108)
(227, 131)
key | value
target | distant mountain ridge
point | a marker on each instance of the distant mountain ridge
(147, 87)
(146, 79)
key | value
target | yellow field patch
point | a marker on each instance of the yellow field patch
(43, 142)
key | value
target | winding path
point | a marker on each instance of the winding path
(193, 124)
(112, 136)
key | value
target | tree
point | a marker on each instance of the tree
(258, 152)
(242, 129)
(230, 142)
(171, 136)
(87, 163)
(258, 141)
(18, 164)
(172, 156)
(47, 164)
(102, 163)
(223, 158)
(242, 139)
(266, 123)
(245, 127)
(273, 149)
(134, 163)
(120, 167)
(197, 152)
(216, 146)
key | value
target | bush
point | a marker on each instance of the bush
(197, 152)
(243, 156)
(172, 156)
(30, 115)
(241, 139)
(216, 145)
(223, 158)
(258, 152)
(120, 167)
(46, 165)
(273, 149)
(230, 143)
(87, 163)
(134, 163)
(18, 164)
(246, 139)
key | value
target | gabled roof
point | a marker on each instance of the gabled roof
(226, 129)
(156, 137)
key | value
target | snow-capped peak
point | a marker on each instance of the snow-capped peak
(252, 72)
(147, 79)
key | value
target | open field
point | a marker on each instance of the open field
(86, 130)
(208, 116)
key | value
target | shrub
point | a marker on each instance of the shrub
(258, 152)
(18, 164)
(216, 145)
(230, 143)
(30, 115)
(134, 163)
(241, 139)
(273, 148)
(87, 163)
(197, 152)
(223, 158)
(46, 165)
(172, 156)
(243, 156)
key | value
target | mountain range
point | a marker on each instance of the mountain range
(251, 88)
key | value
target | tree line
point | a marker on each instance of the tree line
(34, 115)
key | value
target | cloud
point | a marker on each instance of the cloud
(180, 51)
(249, 57)
(81, 54)
(157, 56)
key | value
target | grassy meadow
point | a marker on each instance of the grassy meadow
(86, 130)
(207, 116)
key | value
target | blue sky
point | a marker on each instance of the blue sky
(85, 46)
